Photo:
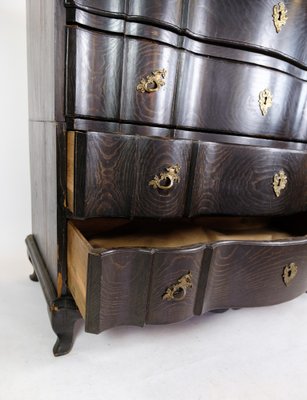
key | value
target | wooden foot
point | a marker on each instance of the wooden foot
(64, 314)
(63, 311)
(33, 277)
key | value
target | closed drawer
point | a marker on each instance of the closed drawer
(123, 176)
(248, 180)
(123, 273)
(115, 77)
(232, 97)
(251, 23)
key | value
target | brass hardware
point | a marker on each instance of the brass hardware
(265, 101)
(279, 182)
(178, 290)
(279, 16)
(170, 177)
(289, 273)
(153, 82)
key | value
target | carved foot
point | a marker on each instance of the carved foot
(220, 311)
(33, 277)
(64, 314)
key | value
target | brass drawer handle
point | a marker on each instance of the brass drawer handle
(169, 177)
(265, 101)
(280, 181)
(153, 82)
(178, 291)
(290, 272)
(279, 16)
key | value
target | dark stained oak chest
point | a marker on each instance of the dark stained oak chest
(168, 146)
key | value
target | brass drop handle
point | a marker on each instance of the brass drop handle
(152, 82)
(279, 16)
(178, 290)
(289, 273)
(166, 180)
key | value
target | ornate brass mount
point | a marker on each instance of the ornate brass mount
(178, 290)
(279, 182)
(265, 101)
(169, 177)
(290, 272)
(279, 16)
(153, 82)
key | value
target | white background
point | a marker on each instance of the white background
(247, 354)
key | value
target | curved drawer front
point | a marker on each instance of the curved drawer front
(255, 274)
(220, 95)
(114, 77)
(123, 176)
(252, 23)
(246, 180)
(134, 286)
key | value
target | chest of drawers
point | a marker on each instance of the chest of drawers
(168, 158)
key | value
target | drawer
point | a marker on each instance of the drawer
(141, 88)
(248, 180)
(136, 273)
(105, 6)
(168, 12)
(251, 23)
(231, 97)
(122, 176)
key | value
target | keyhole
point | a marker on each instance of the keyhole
(289, 273)
(279, 15)
(265, 100)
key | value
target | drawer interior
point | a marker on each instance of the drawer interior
(94, 238)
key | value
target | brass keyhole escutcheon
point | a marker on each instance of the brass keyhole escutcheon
(280, 181)
(279, 16)
(289, 273)
(178, 290)
(152, 82)
(166, 180)
(265, 101)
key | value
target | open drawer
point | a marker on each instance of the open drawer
(132, 273)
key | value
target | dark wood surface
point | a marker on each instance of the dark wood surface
(209, 94)
(42, 140)
(238, 180)
(112, 175)
(46, 55)
(127, 285)
(250, 274)
(117, 289)
(240, 23)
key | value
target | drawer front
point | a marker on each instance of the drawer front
(149, 82)
(219, 95)
(255, 274)
(117, 287)
(174, 285)
(251, 23)
(122, 176)
(106, 6)
(168, 12)
(246, 180)
(94, 72)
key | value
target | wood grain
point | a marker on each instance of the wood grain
(118, 289)
(250, 274)
(46, 54)
(223, 96)
(94, 61)
(238, 180)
